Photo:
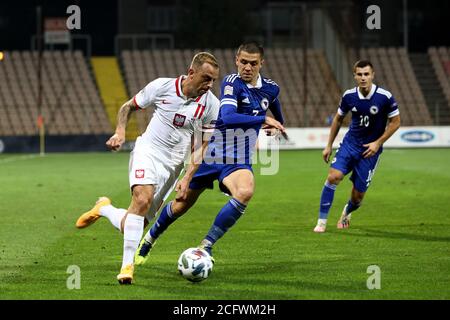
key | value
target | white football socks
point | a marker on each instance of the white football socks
(114, 215)
(132, 234)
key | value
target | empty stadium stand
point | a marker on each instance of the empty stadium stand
(113, 92)
(70, 100)
(284, 66)
(72, 104)
(394, 72)
(440, 59)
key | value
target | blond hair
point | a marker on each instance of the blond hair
(204, 57)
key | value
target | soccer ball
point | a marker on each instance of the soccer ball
(195, 264)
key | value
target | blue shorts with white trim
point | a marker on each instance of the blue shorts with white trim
(351, 159)
(207, 173)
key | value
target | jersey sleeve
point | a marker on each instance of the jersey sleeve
(229, 91)
(275, 106)
(343, 106)
(210, 118)
(147, 96)
(392, 108)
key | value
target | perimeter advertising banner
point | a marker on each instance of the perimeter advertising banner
(316, 138)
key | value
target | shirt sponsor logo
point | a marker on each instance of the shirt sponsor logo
(178, 120)
(373, 109)
(417, 136)
(246, 100)
(139, 173)
(228, 90)
(165, 102)
(354, 109)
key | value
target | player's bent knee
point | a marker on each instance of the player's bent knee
(142, 200)
(243, 194)
(334, 178)
(142, 203)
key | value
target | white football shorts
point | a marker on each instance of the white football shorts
(149, 165)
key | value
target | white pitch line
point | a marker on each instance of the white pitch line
(12, 159)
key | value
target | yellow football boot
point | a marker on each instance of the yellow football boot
(126, 274)
(88, 218)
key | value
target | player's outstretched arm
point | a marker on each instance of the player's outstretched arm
(115, 142)
(334, 130)
(373, 147)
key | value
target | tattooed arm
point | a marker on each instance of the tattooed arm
(115, 142)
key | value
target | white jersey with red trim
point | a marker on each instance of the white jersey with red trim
(176, 117)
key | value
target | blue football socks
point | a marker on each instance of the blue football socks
(326, 199)
(352, 207)
(165, 219)
(225, 219)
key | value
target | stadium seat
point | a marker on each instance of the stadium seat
(67, 85)
(285, 66)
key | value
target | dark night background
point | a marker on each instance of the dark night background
(218, 23)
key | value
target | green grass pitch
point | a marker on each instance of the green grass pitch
(403, 227)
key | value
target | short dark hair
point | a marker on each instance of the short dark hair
(251, 47)
(362, 64)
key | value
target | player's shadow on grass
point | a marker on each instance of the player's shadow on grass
(246, 284)
(367, 232)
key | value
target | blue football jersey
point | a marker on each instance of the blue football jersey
(369, 114)
(236, 142)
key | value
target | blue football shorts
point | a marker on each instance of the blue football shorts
(207, 173)
(349, 159)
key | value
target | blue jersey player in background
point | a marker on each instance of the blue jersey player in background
(375, 118)
(245, 98)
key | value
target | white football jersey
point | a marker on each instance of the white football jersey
(176, 117)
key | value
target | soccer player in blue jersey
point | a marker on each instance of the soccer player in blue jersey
(245, 98)
(375, 118)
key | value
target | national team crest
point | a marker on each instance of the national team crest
(264, 104)
(139, 173)
(178, 120)
(373, 109)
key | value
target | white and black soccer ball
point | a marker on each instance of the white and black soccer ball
(195, 264)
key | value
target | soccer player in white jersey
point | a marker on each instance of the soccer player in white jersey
(182, 106)
(375, 118)
(246, 97)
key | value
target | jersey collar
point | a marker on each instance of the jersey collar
(258, 83)
(372, 91)
(178, 88)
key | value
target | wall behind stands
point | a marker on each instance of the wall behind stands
(317, 138)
